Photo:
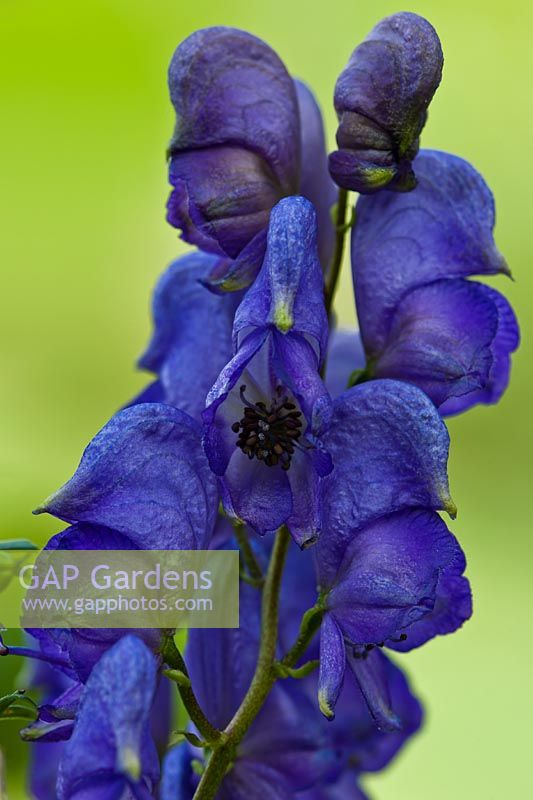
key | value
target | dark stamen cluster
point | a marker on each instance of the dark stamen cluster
(269, 433)
(362, 651)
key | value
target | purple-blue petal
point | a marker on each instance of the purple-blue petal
(332, 665)
(111, 745)
(453, 606)
(354, 728)
(444, 229)
(192, 335)
(83, 647)
(372, 676)
(316, 183)
(178, 781)
(289, 290)
(345, 356)
(390, 450)
(388, 579)
(441, 339)
(145, 475)
(505, 342)
(236, 145)
(381, 99)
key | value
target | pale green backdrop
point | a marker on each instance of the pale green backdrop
(85, 121)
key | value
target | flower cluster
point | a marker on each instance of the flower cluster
(320, 454)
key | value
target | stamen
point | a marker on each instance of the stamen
(271, 433)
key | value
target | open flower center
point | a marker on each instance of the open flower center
(269, 433)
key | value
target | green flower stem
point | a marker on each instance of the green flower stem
(310, 624)
(176, 662)
(262, 681)
(249, 560)
(335, 268)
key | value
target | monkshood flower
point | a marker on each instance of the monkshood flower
(143, 483)
(192, 335)
(398, 584)
(60, 700)
(265, 413)
(381, 100)
(421, 320)
(111, 752)
(246, 135)
(144, 475)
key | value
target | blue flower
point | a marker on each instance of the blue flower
(111, 752)
(381, 99)
(421, 320)
(246, 135)
(143, 483)
(265, 413)
(398, 584)
(144, 475)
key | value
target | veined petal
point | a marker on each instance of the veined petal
(403, 241)
(505, 342)
(192, 334)
(441, 339)
(453, 606)
(372, 676)
(228, 86)
(381, 99)
(388, 578)
(144, 475)
(289, 291)
(236, 145)
(83, 647)
(390, 449)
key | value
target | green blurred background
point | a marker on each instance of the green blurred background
(85, 122)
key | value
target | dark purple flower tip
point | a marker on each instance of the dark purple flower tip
(381, 100)
(144, 475)
(410, 258)
(289, 291)
(111, 749)
(192, 335)
(236, 145)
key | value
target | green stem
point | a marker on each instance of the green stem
(175, 660)
(310, 624)
(247, 554)
(335, 268)
(264, 676)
